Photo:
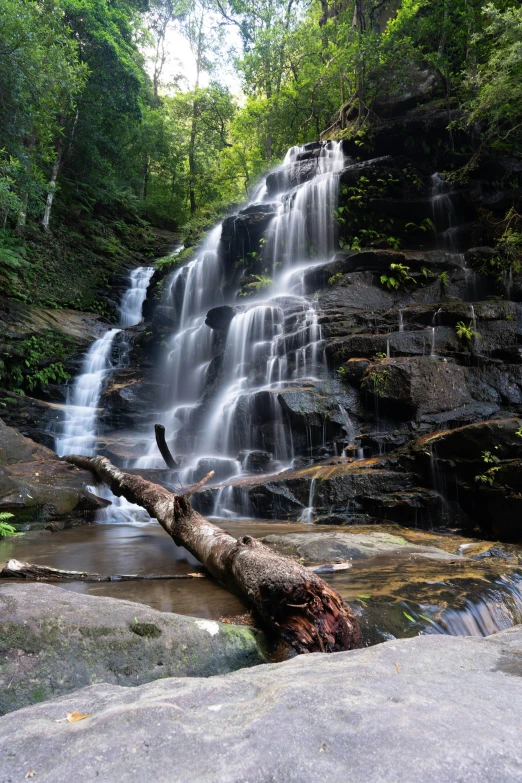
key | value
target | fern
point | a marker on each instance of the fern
(6, 530)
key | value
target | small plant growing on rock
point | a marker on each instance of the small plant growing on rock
(260, 283)
(488, 476)
(6, 530)
(381, 355)
(465, 332)
(399, 276)
(444, 279)
(380, 381)
(334, 278)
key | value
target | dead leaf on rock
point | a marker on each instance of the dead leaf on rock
(73, 717)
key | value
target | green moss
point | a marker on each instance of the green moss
(149, 630)
(97, 632)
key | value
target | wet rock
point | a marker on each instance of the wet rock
(416, 386)
(37, 487)
(340, 547)
(351, 174)
(223, 468)
(344, 488)
(357, 290)
(255, 461)
(220, 317)
(478, 256)
(365, 696)
(408, 344)
(32, 418)
(478, 466)
(53, 641)
(290, 176)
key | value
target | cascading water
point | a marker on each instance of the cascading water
(274, 340)
(134, 297)
(80, 427)
(78, 434)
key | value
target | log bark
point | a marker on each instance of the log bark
(159, 431)
(289, 600)
(15, 569)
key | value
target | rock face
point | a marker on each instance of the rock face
(53, 641)
(386, 713)
(39, 488)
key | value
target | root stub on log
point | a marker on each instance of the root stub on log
(290, 601)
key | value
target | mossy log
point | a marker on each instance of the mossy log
(290, 601)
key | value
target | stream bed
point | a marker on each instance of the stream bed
(401, 582)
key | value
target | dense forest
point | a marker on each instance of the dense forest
(95, 139)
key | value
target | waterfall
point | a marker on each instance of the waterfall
(213, 411)
(81, 411)
(133, 298)
(79, 429)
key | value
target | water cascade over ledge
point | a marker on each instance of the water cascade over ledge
(225, 385)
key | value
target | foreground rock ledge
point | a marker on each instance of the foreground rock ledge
(53, 641)
(435, 708)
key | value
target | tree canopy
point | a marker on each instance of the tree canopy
(88, 115)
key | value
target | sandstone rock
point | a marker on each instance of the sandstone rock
(37, 487)
(339, 547)
(53, 641)
(388, 713)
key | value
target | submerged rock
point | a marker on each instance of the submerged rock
(377, 714)
(53, 641)
(318, 547)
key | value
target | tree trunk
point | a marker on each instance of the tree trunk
(290, 601)
(164, 450)
(52, 184)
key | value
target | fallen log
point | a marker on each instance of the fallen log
(15, 569)
(159, 431)
(289, 600)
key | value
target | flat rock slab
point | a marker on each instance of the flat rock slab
(434, 708)
(328, 547)
(53, 641)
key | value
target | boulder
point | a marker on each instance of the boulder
(37, 487)
(53, 641)
(336, 547)
(390, 712)
(412, 387)
(220, 317)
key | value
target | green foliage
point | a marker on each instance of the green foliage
(260, 283)
(36, 361)
(488, 477)
(380, 379)
(465, 332)
(6, 530)
(444, 279)
(334, 278)
(399, 276)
